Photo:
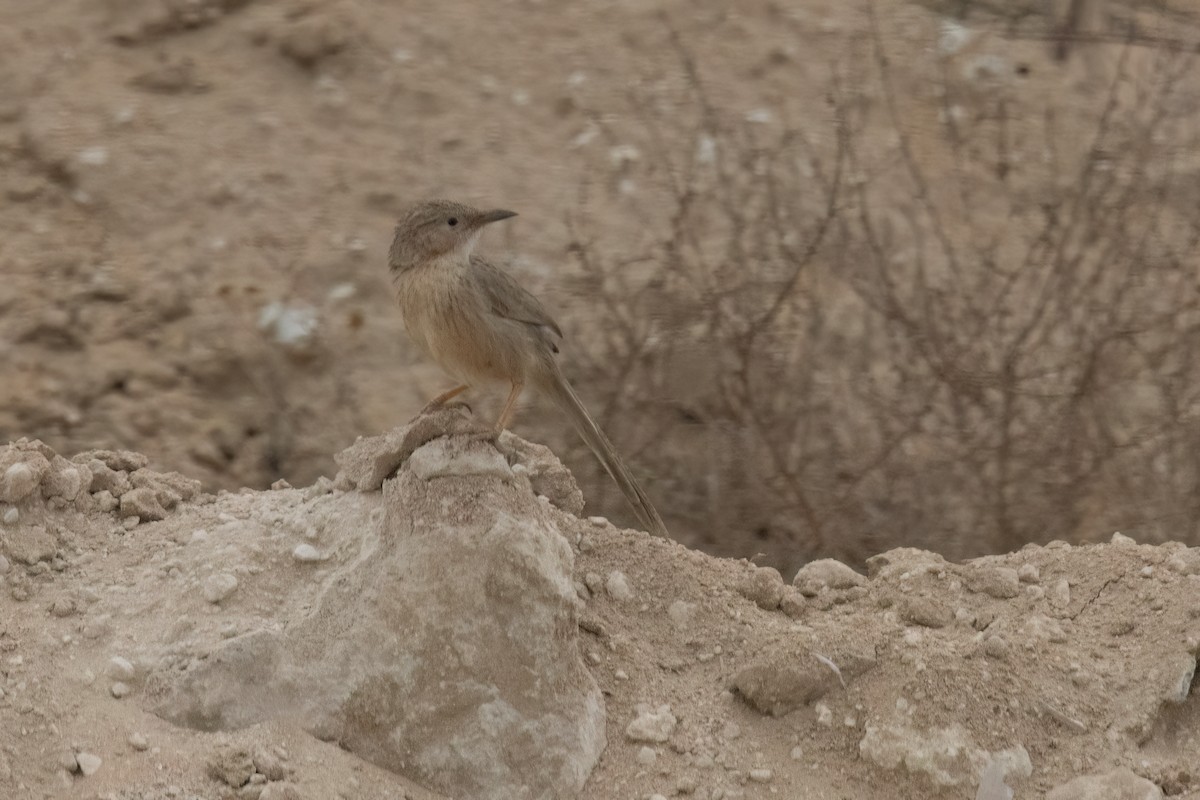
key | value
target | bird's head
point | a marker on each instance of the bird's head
(438, 228)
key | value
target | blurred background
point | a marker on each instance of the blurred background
(836, 276)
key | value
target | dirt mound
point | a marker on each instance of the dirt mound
(454, 625)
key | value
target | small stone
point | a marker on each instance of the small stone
(761, 775)
(617, 586)
(594, 582)
(926, 611)
(19, 481)
(138, 742)
(797, 753)
(120, 689)
(306, 553)
(1059, 593)
(598, 522)
(1028, 573)
(220, 586)
(621, 675)
(4, 565)
(88, 763)
(143, 504)
(792, 602)
(651, 724)
(646, 756)
(763, 587)
(995, 647)
(825, 573)
(999, 582)
(1122, 540)
(105, 501)
(231, 765)
(280, 485)
(12, 517)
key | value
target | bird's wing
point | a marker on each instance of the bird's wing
(509, 300)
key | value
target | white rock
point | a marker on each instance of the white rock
(1121, 539)
(617, 586)
(220, 586)
(120, 669)
(17, 483)
(651, 724)
(646, 756)
(88, 763)
(761, 775)
(120, 689)
(306, 553)
(12, 516)
(138, 741)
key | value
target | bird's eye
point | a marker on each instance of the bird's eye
(453, 221)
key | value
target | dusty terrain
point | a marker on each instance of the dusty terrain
(456, 628)
(197, 196)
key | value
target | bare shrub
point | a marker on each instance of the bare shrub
(833, 344)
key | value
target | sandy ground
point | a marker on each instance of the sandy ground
(128, 599)
(197, 196)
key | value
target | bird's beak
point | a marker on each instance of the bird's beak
(495, 216)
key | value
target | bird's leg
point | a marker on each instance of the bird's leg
(443, 398)
(510, 407)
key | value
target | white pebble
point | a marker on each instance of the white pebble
(761, 775)
(12, 516)
(621, 675)
(120, 689)
(3, 565)
(88, 763)
(617, 586)
(306, 552)
(651, 724)
(120, 669)
(646, 756)
(218, 587)
(797, 753)
(598, 522)
(138, 742)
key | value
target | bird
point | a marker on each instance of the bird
(481, 326)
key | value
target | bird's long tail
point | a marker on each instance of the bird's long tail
(557, 388)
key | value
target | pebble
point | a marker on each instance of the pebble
(120, 689)
(617, 586)
(1059, 593)
(646, 756)
(18, 481)
(120, 669)
(220, 586)
(138, 742)
(651, 724)
(1028, 573)
(995, 647)
(999, 582)
(761, 775)
(12, 516)
(4, 565)
(763, 587)
(926, 611)
(1119, 538)
(825, 572)
(797, 753)
(598, 522)
(306, 553)
(621, 675)
(88, 763)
